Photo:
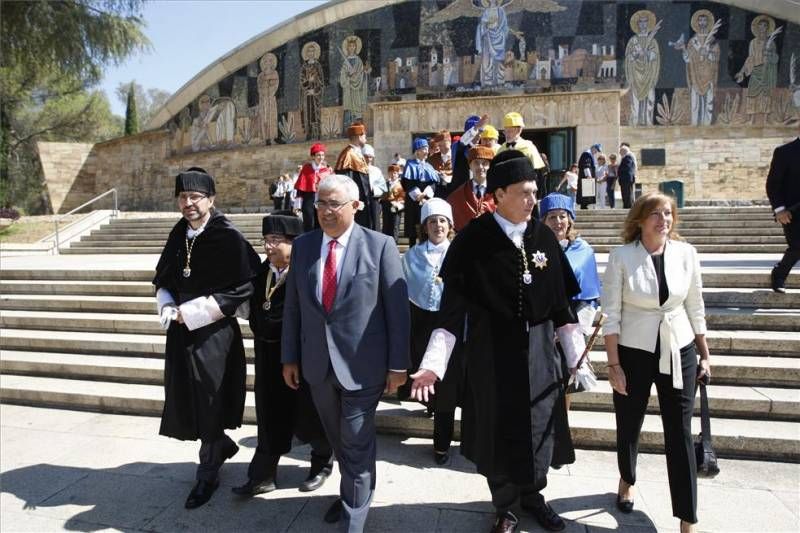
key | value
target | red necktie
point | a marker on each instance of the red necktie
(329, 278)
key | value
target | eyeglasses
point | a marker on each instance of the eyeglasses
(333, 206)
(273, 241)
(193, 198)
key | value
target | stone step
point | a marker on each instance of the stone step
(744, 297)
(747, 343)
(724, 401)
(764, 439)
(763, 300)
(139, 345)
(600, 248)
(117, 322)
(609, 237)
(79, 287)
(86, 279)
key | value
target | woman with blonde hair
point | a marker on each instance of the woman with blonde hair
(652, 294)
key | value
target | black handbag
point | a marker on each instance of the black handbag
(706, 457)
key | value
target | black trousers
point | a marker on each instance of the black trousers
(677, 406)
(792, 254)
(309, 213)
(627, 194)
(505, 493)
(391, 221)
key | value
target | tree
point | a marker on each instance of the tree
(53, 54)
(148, 101)
(131, 115)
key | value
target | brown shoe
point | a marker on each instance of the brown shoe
(505, 523)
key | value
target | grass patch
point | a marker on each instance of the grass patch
(31, 229)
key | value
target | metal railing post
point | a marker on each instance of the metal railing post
(114, 213)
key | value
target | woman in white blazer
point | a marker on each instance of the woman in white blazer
(652, 293)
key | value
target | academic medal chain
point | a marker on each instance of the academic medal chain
(527, 278)
(269, 291)
(187, 270)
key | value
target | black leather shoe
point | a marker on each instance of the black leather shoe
(545, 515)
(334, 512)
(626, 506)
(252, 488)
(201, 493)
(441, 459)
(314, 480)
(505, 523)
(776, 283)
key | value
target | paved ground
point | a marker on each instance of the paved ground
(69, 470)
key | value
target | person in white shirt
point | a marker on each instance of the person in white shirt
(601, 175)
(655, 330)
(571, 180)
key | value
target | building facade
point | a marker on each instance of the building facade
(703, 91)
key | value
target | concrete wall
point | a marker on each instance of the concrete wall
(713, 162)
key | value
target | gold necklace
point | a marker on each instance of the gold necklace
(268, 292)
(187, 270)
(527, 278)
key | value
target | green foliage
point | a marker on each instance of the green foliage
(148, 101)
(131, 115)
(53, 55)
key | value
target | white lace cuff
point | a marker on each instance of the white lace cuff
(200, 312)
(438, 352)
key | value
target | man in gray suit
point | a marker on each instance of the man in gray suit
(346, 330)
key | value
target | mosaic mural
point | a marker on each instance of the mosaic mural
(682, 63)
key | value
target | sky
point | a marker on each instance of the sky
(189, 35)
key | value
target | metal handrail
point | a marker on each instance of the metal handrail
(114, 213)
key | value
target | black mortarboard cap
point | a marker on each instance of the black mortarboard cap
(282, 223)
(195, 179)
(507, 168)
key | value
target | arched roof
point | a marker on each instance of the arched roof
(336, 10)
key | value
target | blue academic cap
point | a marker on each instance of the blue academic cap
(419, 142)
(556, 201)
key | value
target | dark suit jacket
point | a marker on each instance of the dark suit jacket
(626, 172)
(367, 331)
(783, 181)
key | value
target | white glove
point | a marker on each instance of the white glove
(585, 377)
(167, 315)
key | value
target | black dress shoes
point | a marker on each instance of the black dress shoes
(201, 493)
(441, 458)
(334, 512)
(776, 283)
(252, 488)
(626, 506)
(545, 515)
(505, 523)
(315, 480)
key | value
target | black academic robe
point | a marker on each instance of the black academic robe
(513, 377)
(204, 369)
(783, 187)
(585, 162)
(281, 412)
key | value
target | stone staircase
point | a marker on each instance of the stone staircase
(710, 229)
(83, 338)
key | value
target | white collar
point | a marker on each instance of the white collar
(192, 233)
(315, 166)
(508, 227)
(341, 239)
(437, 248)
(277, 271)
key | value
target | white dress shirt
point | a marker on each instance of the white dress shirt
(341, 248)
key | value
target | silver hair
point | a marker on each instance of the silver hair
(341, 183)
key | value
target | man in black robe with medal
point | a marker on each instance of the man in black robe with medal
(202, 278)
(506, 276)
(281, 412)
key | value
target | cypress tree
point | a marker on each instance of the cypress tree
(131, 115)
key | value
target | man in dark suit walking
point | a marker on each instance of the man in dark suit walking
(626, 174)
(346, 331)
(783, 191)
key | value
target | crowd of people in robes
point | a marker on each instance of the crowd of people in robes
(493, 309)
